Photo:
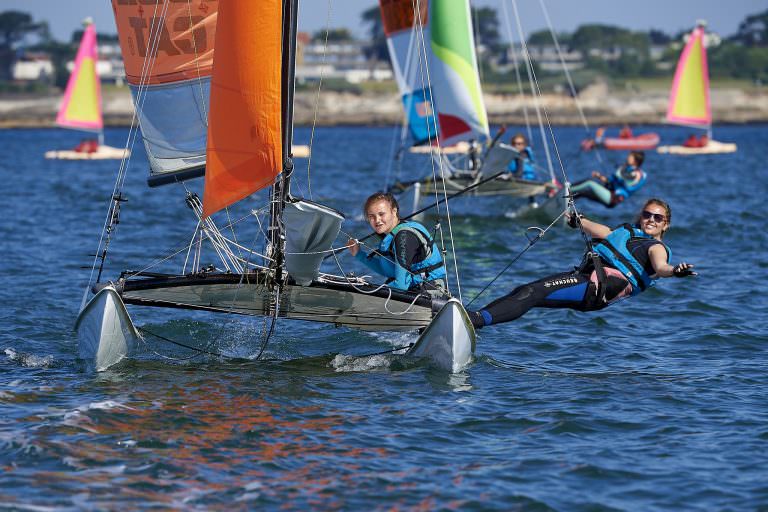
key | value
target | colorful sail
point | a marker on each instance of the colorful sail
(168, 53)
(81, 107)
(454, 75)
(689, 99)
(245, 131)
(403, 26)
(443, 30)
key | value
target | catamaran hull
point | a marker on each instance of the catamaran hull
(361, 306)
(103, 153)
(499, 187)
(712, 148)
(105, 333)
(449, 340)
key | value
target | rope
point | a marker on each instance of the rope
(428, 82)
(531, 242)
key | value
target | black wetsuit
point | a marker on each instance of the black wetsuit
(572, 290)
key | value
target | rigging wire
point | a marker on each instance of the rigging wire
(535, 92)
(531, 241)
(574, 95)
(571, 205)
(114, 203)
(520, 88)
(428, 82)
(317, 96)
(408, 72)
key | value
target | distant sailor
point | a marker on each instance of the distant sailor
(406, 254)
(613, 190)
(631, 259)
(522, 166)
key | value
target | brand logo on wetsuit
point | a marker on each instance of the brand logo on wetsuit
(561, 282)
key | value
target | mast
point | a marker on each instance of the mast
(281, 188)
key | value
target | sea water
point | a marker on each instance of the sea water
(657, 403)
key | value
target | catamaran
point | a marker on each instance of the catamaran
(689, 99)
(240, 142)
(432, 49)
(81, 106)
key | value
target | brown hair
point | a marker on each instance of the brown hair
(663, 204)
(518, 136)
(639, 157)
(381, 196)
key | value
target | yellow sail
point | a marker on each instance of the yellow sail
(689, 98)
(81, 107)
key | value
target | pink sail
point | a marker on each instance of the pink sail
(689, 98)
(81, 107)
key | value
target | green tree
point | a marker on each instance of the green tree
(544, 37)
(753, 31)
(334, 35)
(377, 48)
(14, 27)
(486, 29)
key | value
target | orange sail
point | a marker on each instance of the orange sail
(168, 51)
(81, 107)
(244, 150)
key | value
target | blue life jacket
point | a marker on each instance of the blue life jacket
(619, 184)
(529, 171)
(430, 268)
(616, 251)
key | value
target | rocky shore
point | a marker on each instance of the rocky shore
(600, 105)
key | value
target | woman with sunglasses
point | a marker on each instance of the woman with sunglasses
(613, 190)
(522, 165)
(628, 260)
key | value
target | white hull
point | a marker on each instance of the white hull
(300, 151)
(105, 333)
(103, 153)
(712, 148)
(449, 340)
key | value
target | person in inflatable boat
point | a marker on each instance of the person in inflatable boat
(406, 254)
(624, 262)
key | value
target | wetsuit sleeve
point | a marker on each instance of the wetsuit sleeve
(374, 263)
(406, 251)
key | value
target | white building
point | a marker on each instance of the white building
(33, 67)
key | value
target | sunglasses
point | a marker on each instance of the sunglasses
(657, 217)
(519, 143)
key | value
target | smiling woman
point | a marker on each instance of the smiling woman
(629, 259)
(407, 253)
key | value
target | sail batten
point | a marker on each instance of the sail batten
(244, 150)
(689, 98)
(81, 106)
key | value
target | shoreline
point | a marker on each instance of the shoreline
(600, 106)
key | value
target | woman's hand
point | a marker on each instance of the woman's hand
(353, 246)
(683, 269)
(571, 219)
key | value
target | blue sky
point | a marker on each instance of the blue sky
(64, 16)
